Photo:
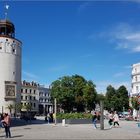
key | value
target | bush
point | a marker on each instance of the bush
(74, 116)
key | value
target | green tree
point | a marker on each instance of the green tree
(73, 91)
(109, 100)
(134, 101)
(89, 95)
(62, 90)
(122, 94)
(27, 107)
(79, 84)
(10, 107)
(100, 97)
(116, 99)
(18, 107)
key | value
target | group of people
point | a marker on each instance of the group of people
(5, 122)
(113, 119)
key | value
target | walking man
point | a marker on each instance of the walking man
(94, 119)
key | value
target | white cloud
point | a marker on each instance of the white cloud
(133, 37)
(123, 36)
(136, 49)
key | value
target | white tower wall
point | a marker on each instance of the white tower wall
(10, 72)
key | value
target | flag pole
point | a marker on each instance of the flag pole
(6, 10)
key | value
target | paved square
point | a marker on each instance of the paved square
(41, 130)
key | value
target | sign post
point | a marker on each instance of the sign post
(55, 110)
(102, 115)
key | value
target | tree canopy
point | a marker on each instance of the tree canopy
(134, 101)
(116, 99)
(74, 92)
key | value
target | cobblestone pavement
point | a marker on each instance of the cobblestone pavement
(127, 130)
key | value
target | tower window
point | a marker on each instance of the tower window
(14, 50)
(136, 79)
(137, 88)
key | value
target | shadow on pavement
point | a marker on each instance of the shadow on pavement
(107, 128)
(104, 128)
(17, 136)
(18, 122)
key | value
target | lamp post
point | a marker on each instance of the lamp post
(102, 115)
(2, 109)
(55, 110)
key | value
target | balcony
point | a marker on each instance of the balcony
(134, 81)
(135, 73)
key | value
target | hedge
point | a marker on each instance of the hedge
(74, 116)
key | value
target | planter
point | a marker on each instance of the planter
(76, 121)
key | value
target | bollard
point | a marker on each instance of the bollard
(63, 122)
(139, 126)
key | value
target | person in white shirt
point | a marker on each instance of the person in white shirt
(116, 119)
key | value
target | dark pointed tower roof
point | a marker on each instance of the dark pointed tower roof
(7, 28)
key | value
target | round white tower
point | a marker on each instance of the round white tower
(10, 67)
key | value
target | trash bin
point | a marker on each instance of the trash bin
(139, 124)
(63, 122)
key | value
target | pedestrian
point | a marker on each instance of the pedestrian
(110, 116)
(116, 119)
(48, 118)
(51, 117)
(1, 123)
(94, 119)
(7, 122)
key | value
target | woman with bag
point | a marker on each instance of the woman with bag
(7, 122)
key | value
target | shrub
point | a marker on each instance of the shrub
(74, 116)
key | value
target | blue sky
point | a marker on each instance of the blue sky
(98, 40)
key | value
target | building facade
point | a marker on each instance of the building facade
(10, 66)
(35, 98)
(29, 97)
(45, 105)
(135, 84)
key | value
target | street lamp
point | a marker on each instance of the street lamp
(55, 110)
